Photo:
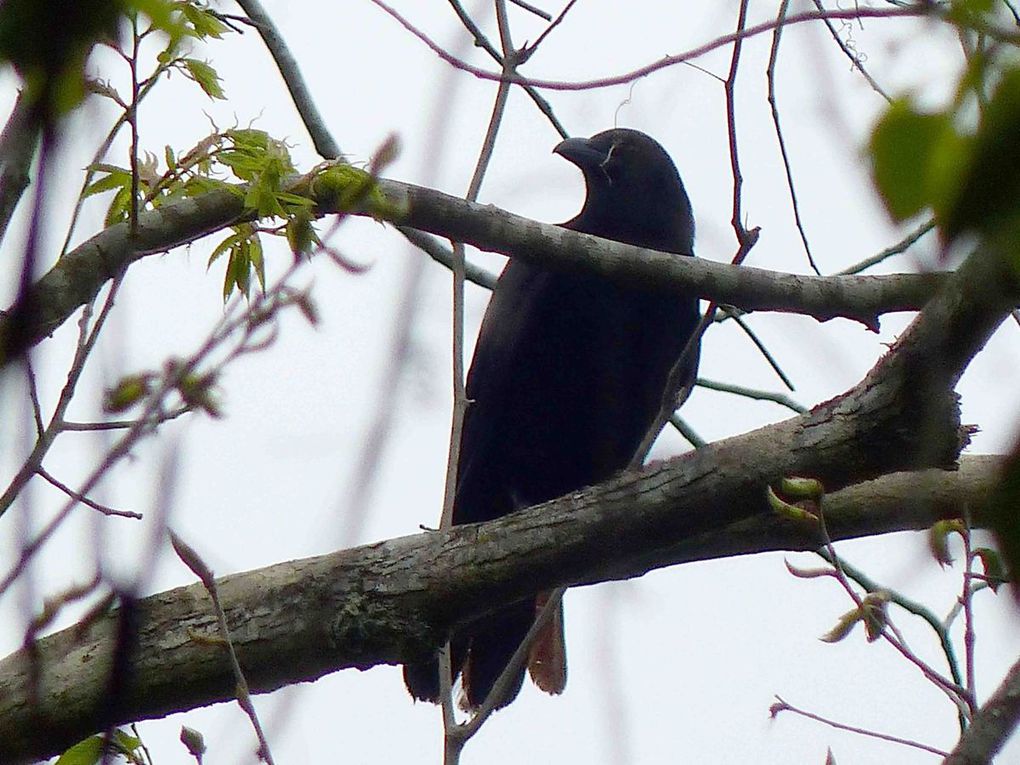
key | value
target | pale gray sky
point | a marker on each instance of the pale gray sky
(679, 666)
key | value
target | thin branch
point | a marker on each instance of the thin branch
(443, 255)
(758, 395)
(503, 682)
(860, 12)
(17, 148)
(770, 75)
(44, 441)
(531, 9)
(915, 608)
(896, 249)
(104, 509)
(323, 140)
(193, 561)
(454, 743)
(545, 32)
(264, 306)
(132, 120)
(91, 427)
(969, 636)
(731, 130)
(889, 632)
(737, 316)
(856, 59)
(685, 430)
(784, 706)
(483, 42)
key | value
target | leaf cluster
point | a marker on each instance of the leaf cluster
(966, 175)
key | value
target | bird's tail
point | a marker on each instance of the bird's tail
(482, 650)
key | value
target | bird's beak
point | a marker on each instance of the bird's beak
(581, 152)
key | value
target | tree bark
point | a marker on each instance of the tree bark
(77, 277)
(388, 602)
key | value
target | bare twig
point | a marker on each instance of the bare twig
(737, 316)
(443, 255)
(105, 510)
(531, 9)
(263, 305)
(770, 74)
(758, 395)
(900, 247)
(483, 42)
(783, 706)
(953, 690)
(856, 59)
(731, 125)
(323, 140)
(969, 636)
(685, 430)
(858, 12)
(917, 609)
(193, 561)
(454, 743)
(529, 49)
(132, 120)
(465, 731)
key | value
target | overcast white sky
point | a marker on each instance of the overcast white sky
(679, 666)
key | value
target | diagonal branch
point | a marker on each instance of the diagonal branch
(398, 600)
(386, 602)
(78, 276)
(992, 724)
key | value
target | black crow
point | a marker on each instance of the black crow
(569, 373)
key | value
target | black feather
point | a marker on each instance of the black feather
(569, 373)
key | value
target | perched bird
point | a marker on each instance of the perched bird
(569, 373)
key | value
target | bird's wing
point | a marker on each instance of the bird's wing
(512, 323)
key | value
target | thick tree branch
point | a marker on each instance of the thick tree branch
(397, 600)
(386, 602)
(992, 725)
(78, 276)
(17, 148)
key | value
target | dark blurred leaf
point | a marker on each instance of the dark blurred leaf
(1004, 516)
(913, 156)
(987, 198)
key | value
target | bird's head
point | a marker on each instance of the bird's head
(631, 181)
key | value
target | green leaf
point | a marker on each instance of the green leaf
(938, 539)
(120, 206)
(991, 563)
(116, 179)
(1004, 516)
(255, 257)
(225, 246)
(206, 77)
(193, 740)
(342, 187)
(913, 155)
(843, 627)
(128, 391)
(87, 752)
(300, 233)
(788, 510)
(203, 22)
(987, 194)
